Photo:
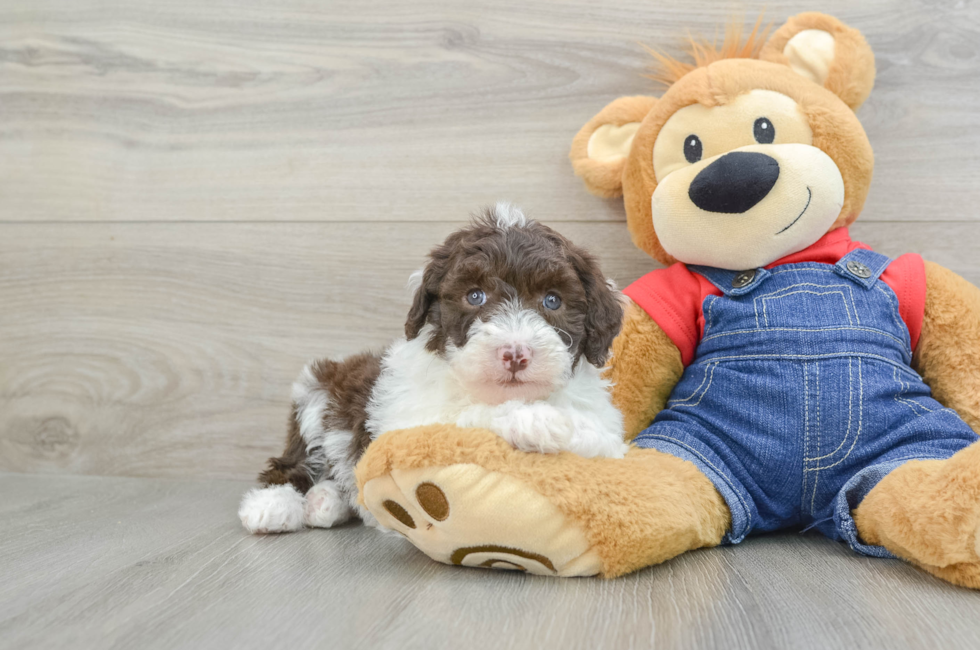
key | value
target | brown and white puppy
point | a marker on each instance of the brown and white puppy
(509, 327)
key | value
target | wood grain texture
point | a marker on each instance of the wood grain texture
(195, 197)
(143, 563)
(133, 110)
(168, 349)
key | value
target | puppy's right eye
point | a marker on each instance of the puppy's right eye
(476, 297)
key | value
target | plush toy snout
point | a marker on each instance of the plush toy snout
(735, 182)
(748, 207)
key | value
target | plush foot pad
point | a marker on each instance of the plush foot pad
(276, 509)
(326, 506)
(466, 515)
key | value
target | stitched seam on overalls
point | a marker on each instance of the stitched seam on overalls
(779, 293)
(907, 402)
(860, 420)
(834, 355)
(816, 478)
(902, 460)
(850, 416)
(709, 376)
(679, 443)
(847, 309)
(899, 323)
(870, 330)
(806, 432)
(709, 321)
(806, 266)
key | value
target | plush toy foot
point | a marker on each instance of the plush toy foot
(928, 512)
(466, 497)
(516, 529)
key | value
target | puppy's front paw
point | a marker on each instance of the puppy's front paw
(537, 428)
(326, 506)
(274, 509)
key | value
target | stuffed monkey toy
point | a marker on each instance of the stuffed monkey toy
(776, 374)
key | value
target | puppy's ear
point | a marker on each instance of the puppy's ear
(426, 285)
(826, 51)
(604, 311)
(419, 313)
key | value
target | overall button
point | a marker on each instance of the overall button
(743, 279)
(859, 269)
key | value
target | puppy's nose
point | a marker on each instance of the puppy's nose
(735, 182)
(514, 357)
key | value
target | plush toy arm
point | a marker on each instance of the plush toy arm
(644, 368)
(466, 497)
(948, 354)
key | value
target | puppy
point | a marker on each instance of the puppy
(508, 329)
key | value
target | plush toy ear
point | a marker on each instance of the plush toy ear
(600, 148)
(825, 50)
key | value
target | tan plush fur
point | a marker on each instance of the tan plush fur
(948, 354)
(645, 367)
(852, 74)
(637, 511)
(605, 179)
(927, 512)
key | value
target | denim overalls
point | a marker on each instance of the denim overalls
(801, 396)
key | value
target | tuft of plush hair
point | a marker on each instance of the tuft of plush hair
(667, 69)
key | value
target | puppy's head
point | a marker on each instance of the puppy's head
(513, 306)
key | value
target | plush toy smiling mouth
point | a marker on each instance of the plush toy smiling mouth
(809, 196)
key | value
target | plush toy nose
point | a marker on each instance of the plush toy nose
(735, 182)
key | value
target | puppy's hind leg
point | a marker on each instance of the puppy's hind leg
(279, 506)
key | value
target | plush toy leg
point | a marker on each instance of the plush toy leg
(465, 497)
(928, 513)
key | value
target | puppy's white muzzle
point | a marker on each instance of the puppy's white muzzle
(514, 354)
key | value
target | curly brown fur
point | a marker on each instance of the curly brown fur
(516, 263)
(348, 385)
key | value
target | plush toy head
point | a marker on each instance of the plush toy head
(750, 155)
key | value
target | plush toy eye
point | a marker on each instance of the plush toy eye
(764, 131)
(692, 148)
(551, 301)
(476, 297)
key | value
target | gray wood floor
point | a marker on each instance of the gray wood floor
(156, 563)
(196, 197)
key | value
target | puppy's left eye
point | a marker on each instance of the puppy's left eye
(551, 301)
(476, 297)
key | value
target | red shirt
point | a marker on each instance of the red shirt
(673, 297)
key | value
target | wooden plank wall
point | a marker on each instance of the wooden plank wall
(197, 196)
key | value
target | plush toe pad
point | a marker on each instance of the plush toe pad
(466, 515)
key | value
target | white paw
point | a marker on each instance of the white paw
(326, 506)
(534, 427)
(275, 509)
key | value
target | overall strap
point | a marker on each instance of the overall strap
(862, 266)
(732, 283)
